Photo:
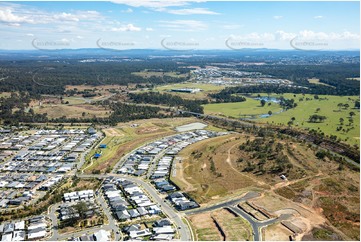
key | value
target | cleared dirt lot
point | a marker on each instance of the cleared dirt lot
(276, 232)
(220, 225)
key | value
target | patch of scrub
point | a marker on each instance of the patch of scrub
(191, 126)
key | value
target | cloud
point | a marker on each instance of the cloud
(66, 17)
(163, 6)
(318, 17)
(155, 3)
(232, 26)
(301, 35)
(15, 15)
(277, 17)
(31, 35)
(149, 29)
(189, 11)
(310, 35)
(184, 25)
(7, 16)
(129, 10)
(65, 40)
(282, 35)
(14, 24)
(128, 27)
(254, 37)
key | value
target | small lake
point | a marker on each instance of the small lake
(268, 99)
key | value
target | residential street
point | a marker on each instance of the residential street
(185, 234)
(112, 222)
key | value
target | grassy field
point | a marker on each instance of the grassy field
(72, 111)
(74, 100)
(5, 94)
(206, 89)
(327, 105)
(241, 109)
(147, 74)
(328, 108)
(317, 81)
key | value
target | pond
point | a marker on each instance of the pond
(268, 99)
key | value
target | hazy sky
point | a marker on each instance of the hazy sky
(136, 24)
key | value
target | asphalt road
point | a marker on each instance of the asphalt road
(54, 222)
(248, 196)
(257, 225)
(112, 222)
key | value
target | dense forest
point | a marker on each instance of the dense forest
(14, 109)
(225, 97)
(51, 77)
(168, 100)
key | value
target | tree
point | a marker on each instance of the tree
(318, 109)
(270, 113)
(263, 102)
(316, 118)
(341, 121)
(321, 154)
(81, 208)
(357, 104)
(346, 106)
(340, 105)
(293, 118)
(352, 114)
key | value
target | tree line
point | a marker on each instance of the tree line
(168, 100)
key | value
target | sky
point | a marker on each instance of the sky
(179, 25)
